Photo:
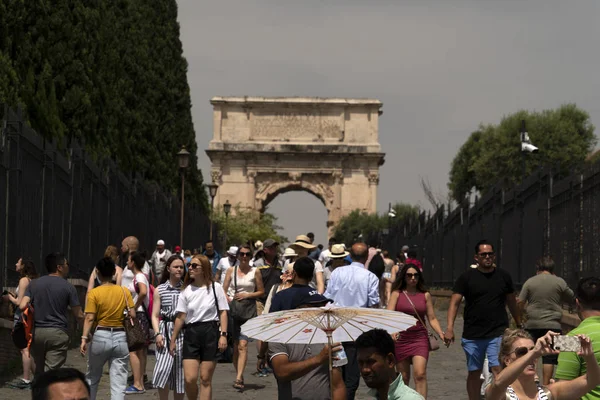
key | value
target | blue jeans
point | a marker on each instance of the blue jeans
(111, 347)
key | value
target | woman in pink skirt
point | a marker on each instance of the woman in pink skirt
(412, 346)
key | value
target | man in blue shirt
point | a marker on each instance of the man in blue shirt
(353, 286)
(290, 298)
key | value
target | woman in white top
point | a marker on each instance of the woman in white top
(139, 289)
(202, 307)
(519, 356)
(247, 286)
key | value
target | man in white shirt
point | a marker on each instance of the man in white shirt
(225, 263)
(353, 286)
(325, 255)
(159, 258)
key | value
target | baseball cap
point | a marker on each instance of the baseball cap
(309, 298)
(270, 243)
(160, 243)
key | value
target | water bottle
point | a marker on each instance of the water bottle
(342, 359)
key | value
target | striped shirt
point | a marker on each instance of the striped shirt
(570, 365)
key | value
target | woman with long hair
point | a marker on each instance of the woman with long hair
(105, 306)
(139, 289)
(168, 370)
(519, 355)
(410, 296)
(377, 267)
(27, 272)
(202, 307)
(242, 284)
(111, 252)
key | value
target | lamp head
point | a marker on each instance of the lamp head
(184, 158)
(227, 207)
(212, 190)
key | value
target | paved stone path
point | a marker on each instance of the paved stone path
(446, 375)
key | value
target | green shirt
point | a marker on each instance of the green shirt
(399, 391)
(570, 365)
(544, 294)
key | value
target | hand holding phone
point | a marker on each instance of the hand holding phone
(566, 343)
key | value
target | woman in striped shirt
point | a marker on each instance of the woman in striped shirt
(168, 371)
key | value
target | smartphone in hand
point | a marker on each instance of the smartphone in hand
(566, 343)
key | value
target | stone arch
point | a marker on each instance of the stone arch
(263, 147)
(275, 189)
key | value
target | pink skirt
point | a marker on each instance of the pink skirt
(412, 342)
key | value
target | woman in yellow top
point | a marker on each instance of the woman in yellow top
(105, 307)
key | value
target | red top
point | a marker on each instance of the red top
(420, 302)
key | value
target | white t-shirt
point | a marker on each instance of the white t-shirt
(224, 265)
(325, 256)
(127, 276)
(140, 278)
(318, 268)
(198, 303)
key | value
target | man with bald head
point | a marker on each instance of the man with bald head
(353, 286)
(129, 245)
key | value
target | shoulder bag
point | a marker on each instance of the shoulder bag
(136, 338)
(241, 310)
(434, 344)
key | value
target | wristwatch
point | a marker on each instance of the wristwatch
(224, 334)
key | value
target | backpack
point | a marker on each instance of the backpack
(22, 333)
(150, 298)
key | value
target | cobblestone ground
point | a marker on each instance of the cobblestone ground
(446, 375)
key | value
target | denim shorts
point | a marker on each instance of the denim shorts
(477, 349)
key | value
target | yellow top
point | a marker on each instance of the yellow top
(108, 303)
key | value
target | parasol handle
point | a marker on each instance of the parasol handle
(330, 341)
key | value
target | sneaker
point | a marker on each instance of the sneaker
(21, 384)
(133, 390)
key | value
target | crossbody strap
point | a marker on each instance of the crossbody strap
(235, 279)
(125, 297)
(414, 308)
(217, 305)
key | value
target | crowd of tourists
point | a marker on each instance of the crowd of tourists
(190, 307)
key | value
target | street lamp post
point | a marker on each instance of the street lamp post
(226, 209)
(212, 191)
(184, 162)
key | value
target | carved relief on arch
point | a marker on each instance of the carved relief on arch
(268, 186)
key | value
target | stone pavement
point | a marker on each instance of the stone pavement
(446, 375)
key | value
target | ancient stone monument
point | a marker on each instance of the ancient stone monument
(262, 147)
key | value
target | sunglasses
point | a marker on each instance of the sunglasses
(195, 266)
(484, 255)
(244, 254)
(415, 275)
(521, 351)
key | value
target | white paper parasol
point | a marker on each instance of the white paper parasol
(328, 324)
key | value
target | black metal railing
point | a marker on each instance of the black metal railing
(542, 216)
(52, 201)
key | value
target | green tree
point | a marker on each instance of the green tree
(110, 75)
(244, 225)
(565, 137)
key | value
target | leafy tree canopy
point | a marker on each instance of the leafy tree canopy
(362, 226)
(245, 225)
(107, 74)
(492, 154)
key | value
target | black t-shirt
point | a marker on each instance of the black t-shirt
(290, 298)
(485, 302)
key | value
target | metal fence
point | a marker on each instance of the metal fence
(53, 203)
(540, 217)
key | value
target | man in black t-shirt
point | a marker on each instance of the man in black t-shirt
(487, 291)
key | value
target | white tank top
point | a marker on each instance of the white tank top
(247, 284)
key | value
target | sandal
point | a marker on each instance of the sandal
(239, 384)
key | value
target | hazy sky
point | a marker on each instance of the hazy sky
(440, 67)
